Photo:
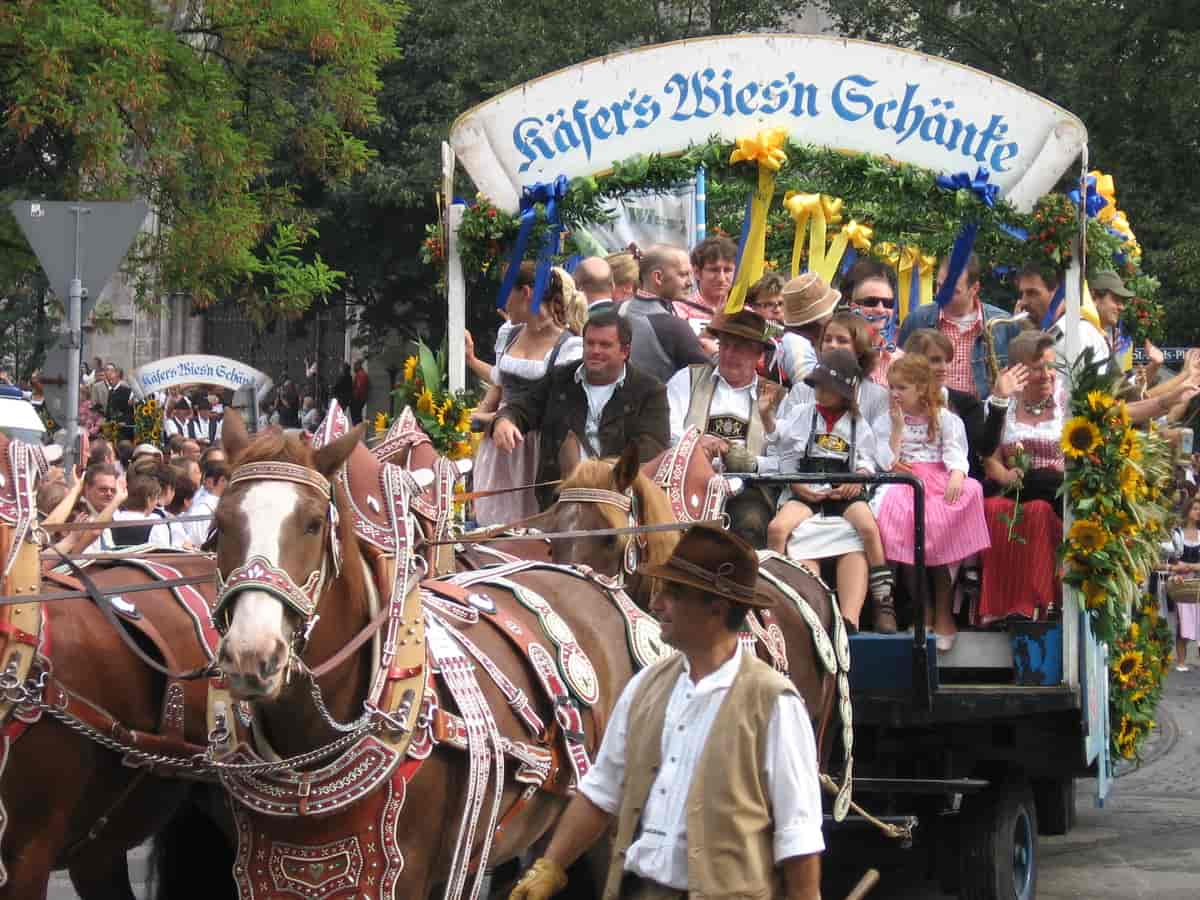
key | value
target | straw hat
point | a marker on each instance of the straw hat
(807, 298)
(716, 562)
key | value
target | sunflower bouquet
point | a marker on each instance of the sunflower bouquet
(1119, 484)
(445, 415)
(148, 422)
(1138, 668)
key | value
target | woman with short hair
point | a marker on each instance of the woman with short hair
(1020, 573)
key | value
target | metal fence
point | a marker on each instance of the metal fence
(281, 349)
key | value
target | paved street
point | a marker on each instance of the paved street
(1144, 843)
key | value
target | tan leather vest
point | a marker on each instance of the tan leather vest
(729, 822)
(703, 388)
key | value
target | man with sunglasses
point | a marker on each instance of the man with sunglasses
(870, 287)
(962, 321)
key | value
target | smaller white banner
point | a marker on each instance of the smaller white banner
(176, 371)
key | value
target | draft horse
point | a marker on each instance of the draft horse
(89, 729)
(379, 736)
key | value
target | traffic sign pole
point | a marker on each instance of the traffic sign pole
(74, 349)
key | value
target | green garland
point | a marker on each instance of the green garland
(902, 203)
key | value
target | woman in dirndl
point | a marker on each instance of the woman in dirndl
(542, 340)
(1187, 610)
(1020, 570)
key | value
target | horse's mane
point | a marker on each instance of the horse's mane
(652, 501)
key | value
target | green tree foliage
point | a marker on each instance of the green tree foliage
(221, 113)
(1127, 69)
(456, 54)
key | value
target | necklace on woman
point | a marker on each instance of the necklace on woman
(1038, 407)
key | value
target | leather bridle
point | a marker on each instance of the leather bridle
(258, 573)
(627, 503)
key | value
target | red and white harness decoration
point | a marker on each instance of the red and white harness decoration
(672, 477)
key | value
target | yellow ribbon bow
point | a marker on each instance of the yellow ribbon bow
(1120, 223)
(1106, 188)
(833, 209)
(904, 260)
(858, 235)
(764, 148)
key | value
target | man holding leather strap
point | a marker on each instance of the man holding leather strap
(715, 793)
(734, 410)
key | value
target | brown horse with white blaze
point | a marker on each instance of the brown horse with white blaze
(523, 663)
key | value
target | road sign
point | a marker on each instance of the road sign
(79, 244)
(107, 229)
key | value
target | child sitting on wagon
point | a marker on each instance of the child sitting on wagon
(828, 434)
(931, 442)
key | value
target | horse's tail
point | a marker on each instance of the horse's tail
(192, 856)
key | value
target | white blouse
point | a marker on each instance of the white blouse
(872, 406)
(789, 442)
(950, 446)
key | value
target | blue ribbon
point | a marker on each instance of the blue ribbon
(1094, 202)
(549, 195)
(848, 261)
(960, 255)
(1124, 342)
(1055, 303)
(987, 193)
(745, 230)
(1120, 257)
(1015, 231)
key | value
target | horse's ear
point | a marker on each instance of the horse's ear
(329, 458)
(233, 434)
(626, 471)
(569, 455)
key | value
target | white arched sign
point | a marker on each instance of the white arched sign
(176, 371)
(827, 91)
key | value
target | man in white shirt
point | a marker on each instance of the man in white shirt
(732, 408)
(204, 503)
(715, 792)
(604, 401)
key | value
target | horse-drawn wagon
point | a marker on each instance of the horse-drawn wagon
(982, 744)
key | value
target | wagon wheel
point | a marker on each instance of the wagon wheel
(999, 844)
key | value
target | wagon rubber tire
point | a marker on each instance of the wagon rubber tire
(1055, 804)
(998, 853)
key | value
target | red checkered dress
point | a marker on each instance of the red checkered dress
(958, 374)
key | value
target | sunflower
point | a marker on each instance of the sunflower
(1080, 437)
(1099, 401)
(460, 450)
(410, 368)
(1088, 535)
(1131, 446)
(425, 401)
(1135, 631)
(382, 421)
(464, 420)
(1094, 595)
(1129, 667)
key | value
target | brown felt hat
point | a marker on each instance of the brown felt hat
(745, 323)
(717, 563)
(807, 298)
(839, 370)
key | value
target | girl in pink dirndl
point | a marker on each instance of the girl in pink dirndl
(931, 442)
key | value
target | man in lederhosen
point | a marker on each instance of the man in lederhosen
(713, 786)
(734, 410)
